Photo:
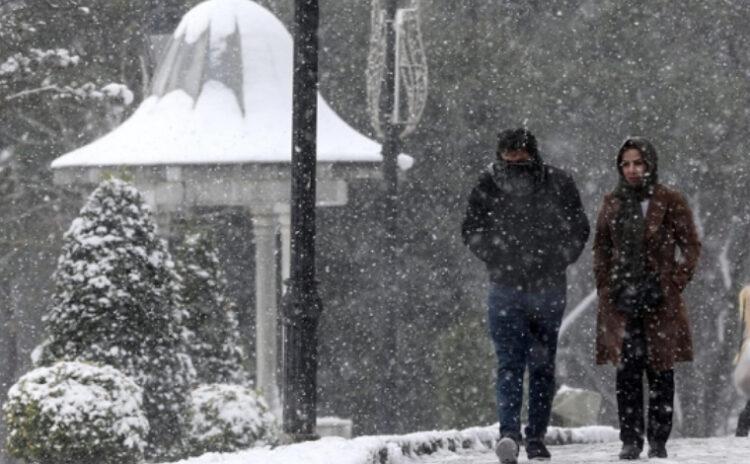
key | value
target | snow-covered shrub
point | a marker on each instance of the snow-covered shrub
(211, 317)
(76, 413)
(116, 302)
(229, 418)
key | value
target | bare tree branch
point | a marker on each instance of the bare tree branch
(25, 93)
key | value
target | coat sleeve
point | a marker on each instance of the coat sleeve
(578, 228)
(603, 246)
(687, 240)
(474, 229)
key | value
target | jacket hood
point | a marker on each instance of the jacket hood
(516, 139)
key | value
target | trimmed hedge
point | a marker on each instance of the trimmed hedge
(78, 413)
(229, 418)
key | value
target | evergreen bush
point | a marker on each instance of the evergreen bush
(116, 302)
(77, 413)
(211, 317)
(229, 418)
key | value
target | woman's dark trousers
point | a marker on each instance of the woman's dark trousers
(743, 423)
(634, 363)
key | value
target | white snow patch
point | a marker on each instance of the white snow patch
(724, 450)
(415, 447)
(119, 91)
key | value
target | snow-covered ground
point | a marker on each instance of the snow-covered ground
(724, 450)
(592, 445)
(476, 442)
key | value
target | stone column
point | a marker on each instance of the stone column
(266, 309)
(284, 224)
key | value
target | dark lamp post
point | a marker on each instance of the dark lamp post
(391, 301)
(302, 305)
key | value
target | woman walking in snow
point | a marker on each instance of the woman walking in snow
(642, 322)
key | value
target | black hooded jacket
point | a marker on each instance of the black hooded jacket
(527, 241)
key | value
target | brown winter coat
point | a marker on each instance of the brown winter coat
(669, 225)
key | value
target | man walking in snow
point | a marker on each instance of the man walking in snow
(526, 222)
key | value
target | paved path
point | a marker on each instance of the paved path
(724, 450)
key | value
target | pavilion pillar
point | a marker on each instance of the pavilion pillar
(283, 219)
(266, 310)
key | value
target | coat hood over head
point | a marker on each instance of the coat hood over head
(517, 178)
(517, 139)
(649, 156)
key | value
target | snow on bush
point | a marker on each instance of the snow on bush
(116, 302)
(229, 418)
(76, 413)
(120, 92)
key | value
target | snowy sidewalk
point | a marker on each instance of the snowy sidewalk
(437, 446)
(725, 450)
(592, 445)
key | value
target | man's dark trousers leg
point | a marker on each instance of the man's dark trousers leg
(546, 311)
(629, 384)
(524, 328)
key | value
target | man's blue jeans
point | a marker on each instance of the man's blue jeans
(524, 328)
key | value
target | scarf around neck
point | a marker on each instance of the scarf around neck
(630, 226)
(517, 179)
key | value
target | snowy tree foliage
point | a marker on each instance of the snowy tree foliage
(116, 302)
(229, 418)
(211, 317)
(74, 412)
(68, 70)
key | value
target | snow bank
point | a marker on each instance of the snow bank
(384, 449)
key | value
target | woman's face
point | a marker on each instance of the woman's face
(633, 167)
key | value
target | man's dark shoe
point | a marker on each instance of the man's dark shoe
(507, 450)
(630, 451)
(536, 451)
(657, 450)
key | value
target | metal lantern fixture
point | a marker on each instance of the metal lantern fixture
(411, 76)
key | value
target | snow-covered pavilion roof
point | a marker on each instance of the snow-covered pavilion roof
(223, 95)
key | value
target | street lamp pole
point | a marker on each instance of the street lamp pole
(388, 406)
(302, 305)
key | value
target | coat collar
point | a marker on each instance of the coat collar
(657, 207)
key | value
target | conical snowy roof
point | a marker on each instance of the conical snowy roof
(222, 94)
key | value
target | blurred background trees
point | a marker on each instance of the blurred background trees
(581, 74)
